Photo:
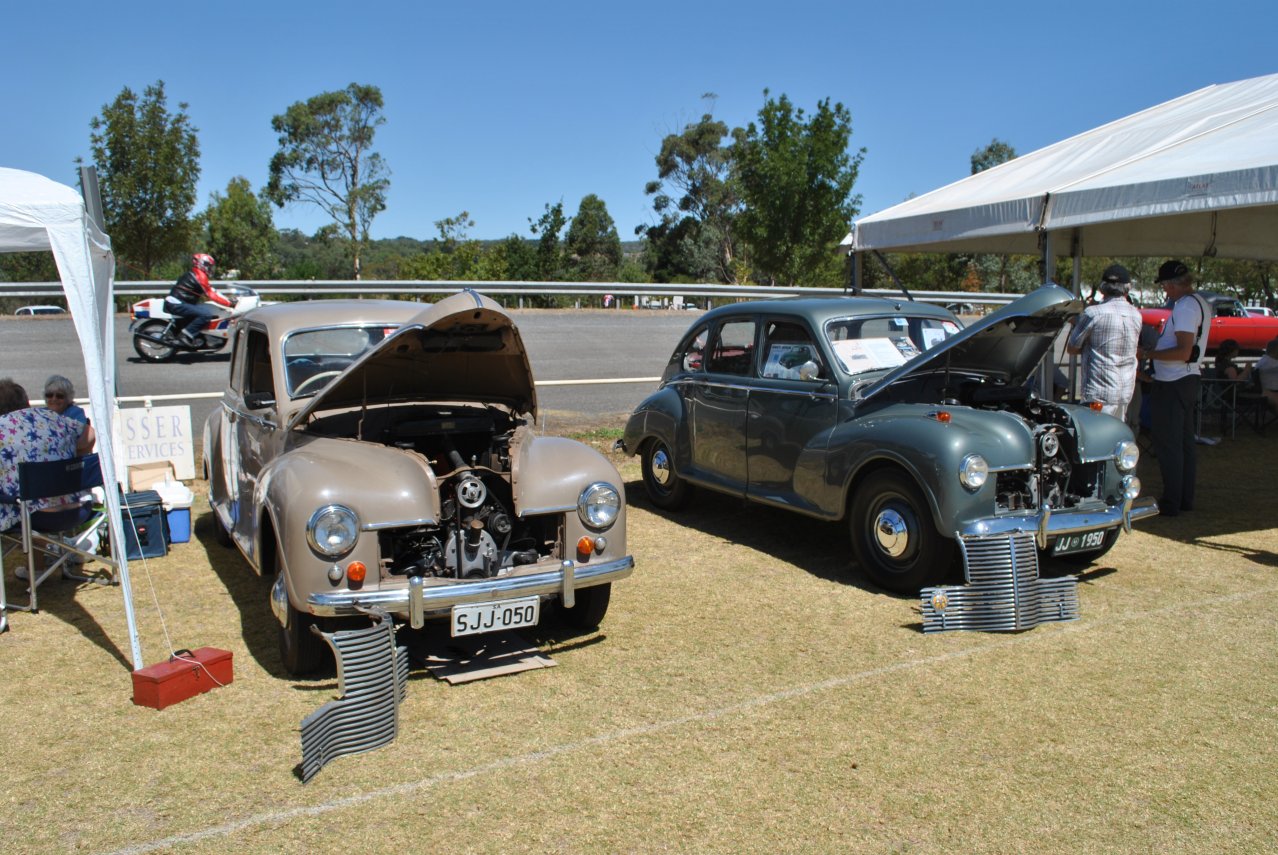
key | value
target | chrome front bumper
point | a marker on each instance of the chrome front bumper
(1047, 525)
(419, 599)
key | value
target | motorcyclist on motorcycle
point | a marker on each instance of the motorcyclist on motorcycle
(184, 300)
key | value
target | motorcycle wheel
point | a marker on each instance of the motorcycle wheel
(152, 351)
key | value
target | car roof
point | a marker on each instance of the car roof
(817, 310)
(282, 318)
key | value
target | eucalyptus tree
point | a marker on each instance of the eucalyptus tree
(696, 199)
(592, 244)
(148, 163)
(795, 174)
(326, 159)
(241, 233)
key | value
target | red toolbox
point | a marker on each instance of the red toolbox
(186, 674)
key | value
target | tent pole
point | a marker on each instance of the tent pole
(1076, 249)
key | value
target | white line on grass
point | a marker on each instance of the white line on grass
(283, 816)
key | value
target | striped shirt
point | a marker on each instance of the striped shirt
(1108, 333)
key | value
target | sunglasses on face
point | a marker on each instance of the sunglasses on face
(57, 396)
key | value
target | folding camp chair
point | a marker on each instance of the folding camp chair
(1218, 397)
(61, 533)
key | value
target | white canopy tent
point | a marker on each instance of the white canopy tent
(1195, 176)
(39, 214)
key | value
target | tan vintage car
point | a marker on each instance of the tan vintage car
(383, 454)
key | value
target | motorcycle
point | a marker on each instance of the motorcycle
(155, 331)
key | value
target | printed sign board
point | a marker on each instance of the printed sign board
(153, 434)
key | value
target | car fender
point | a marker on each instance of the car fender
(661, 415)
(548, 474)
(910, 437)
(381, 484)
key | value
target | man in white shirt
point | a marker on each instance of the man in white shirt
(1175, 387)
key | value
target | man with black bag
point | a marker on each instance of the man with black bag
(1175, 388)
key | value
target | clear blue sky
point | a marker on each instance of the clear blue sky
(498, 108)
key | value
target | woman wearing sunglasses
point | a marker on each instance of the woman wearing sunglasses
(59, 396)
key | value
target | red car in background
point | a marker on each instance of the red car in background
(1229, 320)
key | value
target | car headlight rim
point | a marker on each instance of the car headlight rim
(974, 472)
(339, 533)
(599, 505)
(1126, 455)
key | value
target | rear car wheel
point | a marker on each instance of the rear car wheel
(152, 351)
(592, 605)
(665, 489)
(893, 536)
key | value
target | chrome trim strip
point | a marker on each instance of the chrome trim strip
(399, 524)
(1056, 523)
(532, 512)
(697, 381)
(417, 599)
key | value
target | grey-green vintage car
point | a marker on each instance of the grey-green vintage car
(926, 438)
(381, 454)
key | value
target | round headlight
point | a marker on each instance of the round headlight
(332, 530)
(974, 472)
(1126, 455)
(1131, 487)
(599, 505)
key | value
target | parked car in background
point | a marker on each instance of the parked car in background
(1230, 319)
(382, 454)
(28, 311)
(1260, 311)
(924, 438)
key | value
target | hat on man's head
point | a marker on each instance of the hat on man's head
(1116, 280)
(1171, 269)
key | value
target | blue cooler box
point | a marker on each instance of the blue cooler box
(145, 526)
(179, 520)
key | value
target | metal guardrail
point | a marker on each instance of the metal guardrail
(625, 292)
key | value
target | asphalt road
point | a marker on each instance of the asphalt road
(562, 345)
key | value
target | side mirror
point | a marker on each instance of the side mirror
(258, 400)
(809, 371)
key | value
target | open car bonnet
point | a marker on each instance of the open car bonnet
(465, 349)
(1006, 345)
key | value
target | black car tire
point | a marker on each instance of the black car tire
(301, 650)
(592, 605)
(665, 489)
(904, 560)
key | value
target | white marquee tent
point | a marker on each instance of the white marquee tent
(1195, 176)
(39, 214)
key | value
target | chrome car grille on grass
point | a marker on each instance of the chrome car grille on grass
(372, 676)
(1003, 591)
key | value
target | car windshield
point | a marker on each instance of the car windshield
(885, 341)
(314, 357)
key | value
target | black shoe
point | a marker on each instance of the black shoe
(188, 339)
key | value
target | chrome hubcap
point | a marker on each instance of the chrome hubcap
(661, 467)
(891, 532)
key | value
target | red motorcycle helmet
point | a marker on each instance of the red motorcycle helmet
(202, 261)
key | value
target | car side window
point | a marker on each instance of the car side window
(237, 361)
(788, 346)
(259, 378)
(733, 348)
(694, 355)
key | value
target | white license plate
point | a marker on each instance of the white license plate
(1081, 542)
(474, 618)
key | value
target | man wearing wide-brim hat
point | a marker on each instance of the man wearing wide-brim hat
(1175, 388)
